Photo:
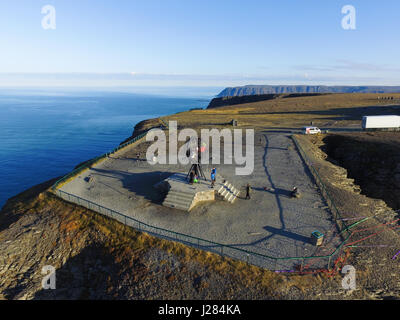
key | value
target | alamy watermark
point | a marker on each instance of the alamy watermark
(49, 280)
(349, 280)
(349, 20)
(49, 20)
(196, 149)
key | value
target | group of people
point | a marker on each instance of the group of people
(194, 177)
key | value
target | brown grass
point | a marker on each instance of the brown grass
(128, 244)
(324, 110)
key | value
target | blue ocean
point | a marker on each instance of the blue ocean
(46, 133)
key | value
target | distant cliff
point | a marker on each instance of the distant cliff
(232, 100)
(268, 89)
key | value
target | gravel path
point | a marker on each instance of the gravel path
(271, 223)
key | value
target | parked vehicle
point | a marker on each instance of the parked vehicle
(381, 122)
(311, 130)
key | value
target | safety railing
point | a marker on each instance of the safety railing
(251, 257)
(165, 124)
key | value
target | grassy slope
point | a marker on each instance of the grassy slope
(97, 257)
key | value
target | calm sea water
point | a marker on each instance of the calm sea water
(45, 134)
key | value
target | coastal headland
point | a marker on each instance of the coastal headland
(96, 256)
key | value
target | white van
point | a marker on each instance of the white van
(311, 130)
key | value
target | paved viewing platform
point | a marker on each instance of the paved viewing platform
(270, 223)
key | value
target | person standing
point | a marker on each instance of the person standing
(191, 177)
(248, 189)
(213, 176)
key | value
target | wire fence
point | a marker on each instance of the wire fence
(280, 264)
(251, 257)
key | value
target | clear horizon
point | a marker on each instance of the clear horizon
(198, 44)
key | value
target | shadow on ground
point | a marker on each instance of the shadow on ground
(140, 183)
(88, 275)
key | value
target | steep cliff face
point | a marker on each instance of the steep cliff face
(233, 100)
(269, 89)
(372, 160)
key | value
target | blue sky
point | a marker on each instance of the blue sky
(199, 43)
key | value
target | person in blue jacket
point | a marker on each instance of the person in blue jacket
(213, 176)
